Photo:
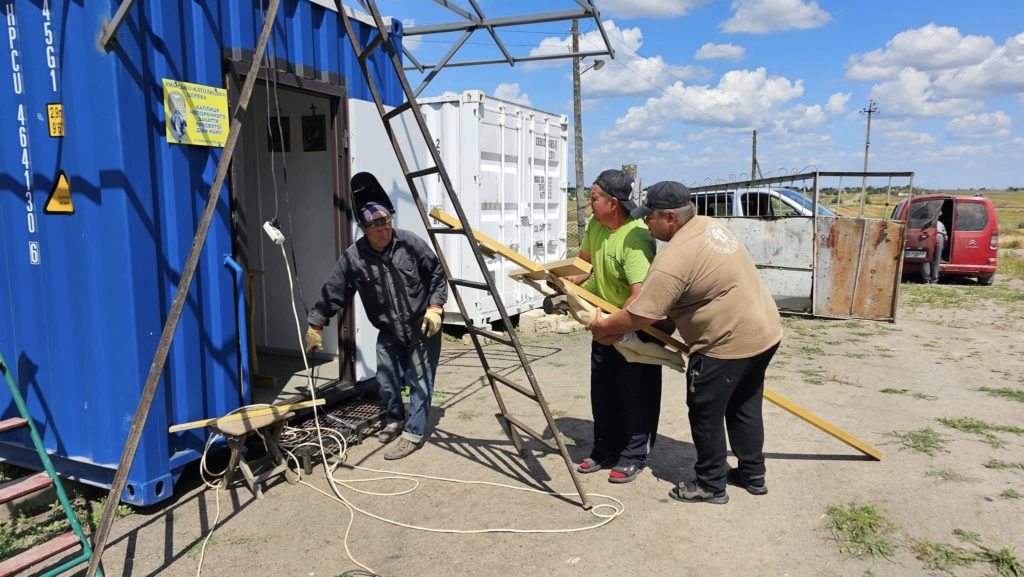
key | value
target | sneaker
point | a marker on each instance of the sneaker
(390, 432)
(753, 485)
(691, 492)
(403, 449)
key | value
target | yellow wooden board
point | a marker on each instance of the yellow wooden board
(562, 268)
(607, 307)
(244, 414)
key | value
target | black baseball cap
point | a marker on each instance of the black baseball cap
(618, 184)
(664, 195)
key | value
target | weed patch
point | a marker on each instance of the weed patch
(926, 440)
(997, 464)
(922, 396)
(813, 376)
(1004, 392)
(467, 415)
(1010, 494)
(947, 474)
(981, 428)
(945, 557)
(861, 530)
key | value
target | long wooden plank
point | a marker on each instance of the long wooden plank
(246, 414)
(609, 308)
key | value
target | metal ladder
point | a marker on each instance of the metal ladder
(476, 333)
(38, 482)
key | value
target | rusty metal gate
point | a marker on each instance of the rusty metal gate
(815, 260)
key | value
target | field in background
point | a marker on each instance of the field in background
(1009, 206)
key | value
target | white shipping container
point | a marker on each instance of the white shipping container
(508, 166)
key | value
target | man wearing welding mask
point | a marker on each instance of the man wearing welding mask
(402, 287)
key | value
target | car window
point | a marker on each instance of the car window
(757, 204)
(716, 204)
(971, 216)
(924, 213)
(896, 211)
(807, 203)
(780, 208)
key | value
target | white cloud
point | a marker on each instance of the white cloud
(930, 47)
(649, 8)
(837, 103)
(899, 134)
(996, 124)
(639, 145)
(411, 42)
(799, 118)
(711, 51)
(510, 92)
(911, 94)
(765, 16)
(742, 98)
(1001, 72)
(629, 74)
(670, 146)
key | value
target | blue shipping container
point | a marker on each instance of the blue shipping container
(85, 295)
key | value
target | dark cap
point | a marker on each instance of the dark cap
(617, 184)
(664, 195)
(368, 210)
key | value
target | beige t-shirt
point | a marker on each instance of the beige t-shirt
(706, 282)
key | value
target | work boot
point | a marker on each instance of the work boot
(753, 485)
(390, 432)
(692, 492)
(403, 449)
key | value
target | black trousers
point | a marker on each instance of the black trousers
(729, 390)
(625, 399)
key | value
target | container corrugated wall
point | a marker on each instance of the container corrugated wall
(508, 165)
(85, 296)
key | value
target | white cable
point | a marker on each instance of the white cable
(333, 482)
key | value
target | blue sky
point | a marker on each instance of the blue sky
(692, 78)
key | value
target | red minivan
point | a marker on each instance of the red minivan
(972, 247)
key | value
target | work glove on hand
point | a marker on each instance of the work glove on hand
(313, 340)
(431, 322)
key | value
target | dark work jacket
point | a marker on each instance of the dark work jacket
(396, 285)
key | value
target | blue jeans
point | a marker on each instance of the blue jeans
(414, 364)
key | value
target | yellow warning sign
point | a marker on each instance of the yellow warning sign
(195, 114)
(59, 201)
(55, 114)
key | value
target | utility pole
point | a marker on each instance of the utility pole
(753, 158)
(871, 109)
(577, 120)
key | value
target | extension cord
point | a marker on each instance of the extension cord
(275, 234)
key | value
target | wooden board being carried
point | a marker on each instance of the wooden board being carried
(562, 268)
(532, 267)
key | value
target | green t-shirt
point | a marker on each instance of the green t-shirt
(620, 258)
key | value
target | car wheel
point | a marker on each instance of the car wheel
(986, 280)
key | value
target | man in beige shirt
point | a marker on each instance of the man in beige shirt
(706, 282)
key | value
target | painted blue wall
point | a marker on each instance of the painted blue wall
(83, 298)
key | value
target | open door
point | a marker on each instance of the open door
(289, 168)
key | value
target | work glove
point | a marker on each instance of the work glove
(431, 322)
(313, 340)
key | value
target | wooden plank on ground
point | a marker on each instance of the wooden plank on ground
(609, 308)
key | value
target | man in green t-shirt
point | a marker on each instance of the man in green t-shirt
(625, 397)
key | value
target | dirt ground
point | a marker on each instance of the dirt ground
(946, 344)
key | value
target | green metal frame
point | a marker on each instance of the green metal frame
(48, 465)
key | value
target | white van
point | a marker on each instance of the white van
(755, 202)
